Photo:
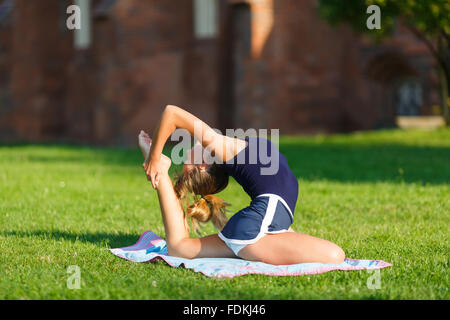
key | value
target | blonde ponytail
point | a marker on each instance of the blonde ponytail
(208, 208)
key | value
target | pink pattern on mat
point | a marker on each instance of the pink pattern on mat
(147, 240)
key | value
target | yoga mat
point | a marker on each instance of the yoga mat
(150, 247)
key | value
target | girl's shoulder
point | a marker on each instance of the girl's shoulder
(234, 146)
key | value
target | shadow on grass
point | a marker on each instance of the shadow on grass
(112, 240)
(310, 161)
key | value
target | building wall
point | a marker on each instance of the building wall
(374, 73)
(274, 64)
(5, 74)
(145, 58)
(39, 53)
(307, 68)
(310, 77)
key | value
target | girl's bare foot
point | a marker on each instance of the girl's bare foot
(144, 143)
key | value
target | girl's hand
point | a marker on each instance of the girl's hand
(155, 169)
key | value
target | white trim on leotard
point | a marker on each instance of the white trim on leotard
(268, 218)
(278, 231)
(280, 199)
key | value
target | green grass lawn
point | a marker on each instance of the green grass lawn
(379, 195)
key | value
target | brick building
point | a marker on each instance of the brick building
(253, 63)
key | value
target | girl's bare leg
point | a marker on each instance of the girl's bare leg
(292, 248)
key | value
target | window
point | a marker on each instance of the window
(103, 9)
(408, 98)
(5, 9)
(205, 18)
(82, 36)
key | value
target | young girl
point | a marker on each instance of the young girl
(259, 232)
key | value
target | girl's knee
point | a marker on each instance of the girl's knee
(336, 255)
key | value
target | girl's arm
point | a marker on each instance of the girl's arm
(173, 118)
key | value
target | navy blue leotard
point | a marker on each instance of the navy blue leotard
(264, 174)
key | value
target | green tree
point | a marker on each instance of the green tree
(429, 20)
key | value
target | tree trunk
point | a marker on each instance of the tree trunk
(444, 78)
(444, 84)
